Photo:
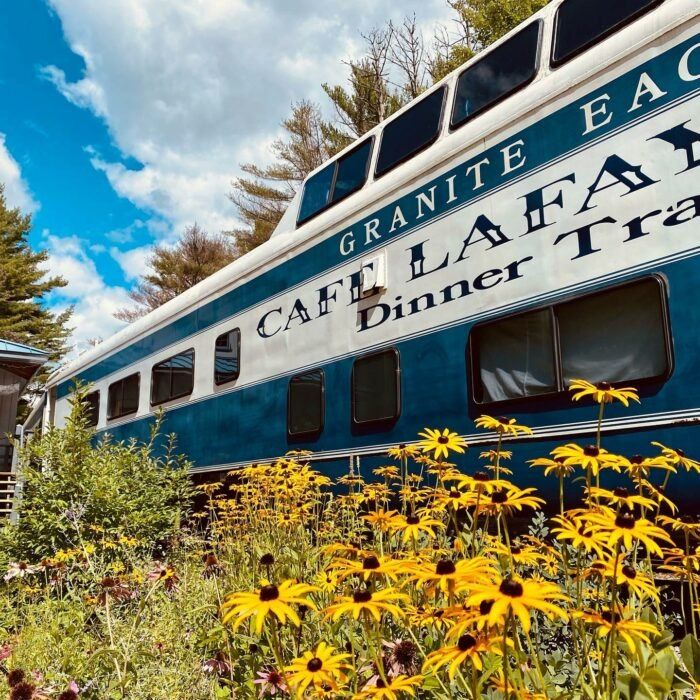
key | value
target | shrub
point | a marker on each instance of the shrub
(83, 492)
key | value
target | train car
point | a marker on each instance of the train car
(532, 218)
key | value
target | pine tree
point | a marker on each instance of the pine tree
(24, 287)
(262, 198)
(196, 256)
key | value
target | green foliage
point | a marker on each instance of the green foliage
(80, 491)
(24, 286)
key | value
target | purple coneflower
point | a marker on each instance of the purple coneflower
(270, 681)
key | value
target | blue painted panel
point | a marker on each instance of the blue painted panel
(552, 137)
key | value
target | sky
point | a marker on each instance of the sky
(123, 121)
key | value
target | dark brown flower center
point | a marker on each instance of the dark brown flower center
(314, 665)
(443, 440)
(629, 571)
(609, 616)
(380, 683)
(370, 562)
(445, 567)
(625, 521)
(503, 420)
(511, 588)
(466, 642)
(485, 607)
(603, 386)
(636, 459)
(269, 592)
(591, 451)
(481, 476)
(499, 497)
(621, 492)
(455, 494)
(516, 549)
(680, 453)
(362, 596)
(413, 520)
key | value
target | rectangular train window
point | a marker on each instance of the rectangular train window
(615, 335)
(498, 74)
(227, 357)
(336, 181)
(411, 132)
(580, 24)
(123, 397)
(92, 408)
(306, 404)
(376, 388)
(172, 378)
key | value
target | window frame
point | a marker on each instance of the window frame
(95, 392)
(426, 146)
(538, 67)
(238, 352)
(473, 353)
(558, 62)
(189, 351)
(335, 162)
(377, 421)
(307, 433)
(121, 383)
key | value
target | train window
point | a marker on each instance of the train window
(306, 404)
(173, 378)
(411, 132)
(123, 397)
(92, 408)
(581, 23)
(498, 74)
(615, 335)
(227, 357)
(515, 357)
(352, 171)
(336, 181)
(376, 387)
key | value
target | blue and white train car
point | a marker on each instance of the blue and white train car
(532, 218)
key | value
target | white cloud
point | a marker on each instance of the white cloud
(17, 191)
(133, 263)
(94, 302)
(190, 88)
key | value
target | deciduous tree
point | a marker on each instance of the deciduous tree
(173, 269)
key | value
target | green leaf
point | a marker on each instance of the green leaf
(690, 653)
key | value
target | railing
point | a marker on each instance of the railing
(7, 492)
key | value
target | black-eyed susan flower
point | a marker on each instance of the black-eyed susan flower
(632, 631)
(317, 669)
(556, 466)
(509, 500)
(388, 472)
(381, 519)
(504, 426)
(368, 566)
(271, 599)
(467, 647)
(521, 554)
(602, 392)
(686, 524)
(493, 455)
(519, 597)
(480, 482)
(452, 577)
(391, 689)
(678, 458)
(435, 618)
(626, 528)
(590, 457)
(580, 534)
(658, 495)
(412, 527)
(620, 496)
(441, 443)
(638, 466)
(403, 452)
(636, 581)
(366, 603)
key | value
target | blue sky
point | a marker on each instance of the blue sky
(122, 121)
